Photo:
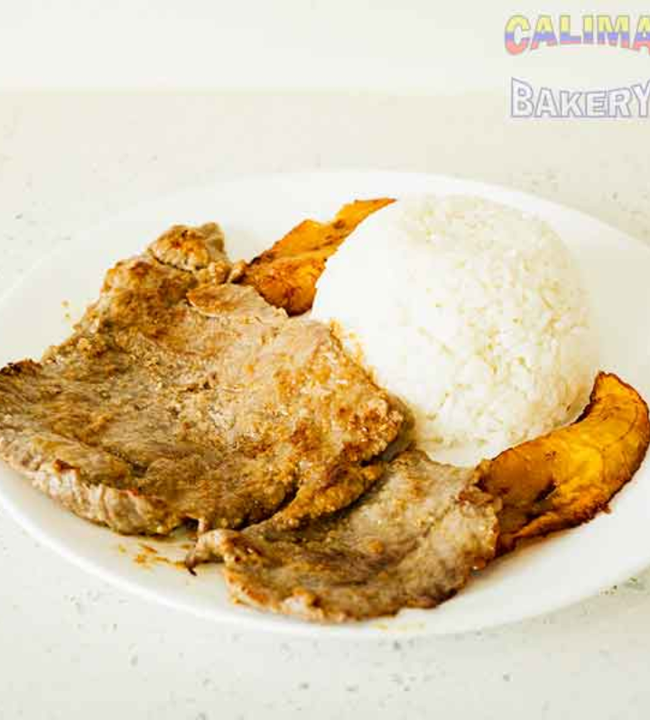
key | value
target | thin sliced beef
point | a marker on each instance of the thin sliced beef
(411, 541)
(180, 396)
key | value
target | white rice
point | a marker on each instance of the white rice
(471, 312)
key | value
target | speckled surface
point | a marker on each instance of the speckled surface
(71, 646)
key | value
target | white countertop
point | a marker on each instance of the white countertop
(71, 646)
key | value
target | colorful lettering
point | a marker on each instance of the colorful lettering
(544, 32)
(517, 23)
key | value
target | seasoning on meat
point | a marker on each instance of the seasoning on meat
(180, 397)
(412, 540)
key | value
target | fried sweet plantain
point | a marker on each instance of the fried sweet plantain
(566, 477)
(286, 274)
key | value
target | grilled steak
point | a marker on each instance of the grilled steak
(411, 541)
(180, 396)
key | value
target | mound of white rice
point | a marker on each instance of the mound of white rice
(471, 312)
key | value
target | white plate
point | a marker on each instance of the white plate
(254, 212)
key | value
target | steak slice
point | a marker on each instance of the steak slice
(411, 541)
(180, 396)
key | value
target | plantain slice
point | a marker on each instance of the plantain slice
(565, 478)
(286, 274)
